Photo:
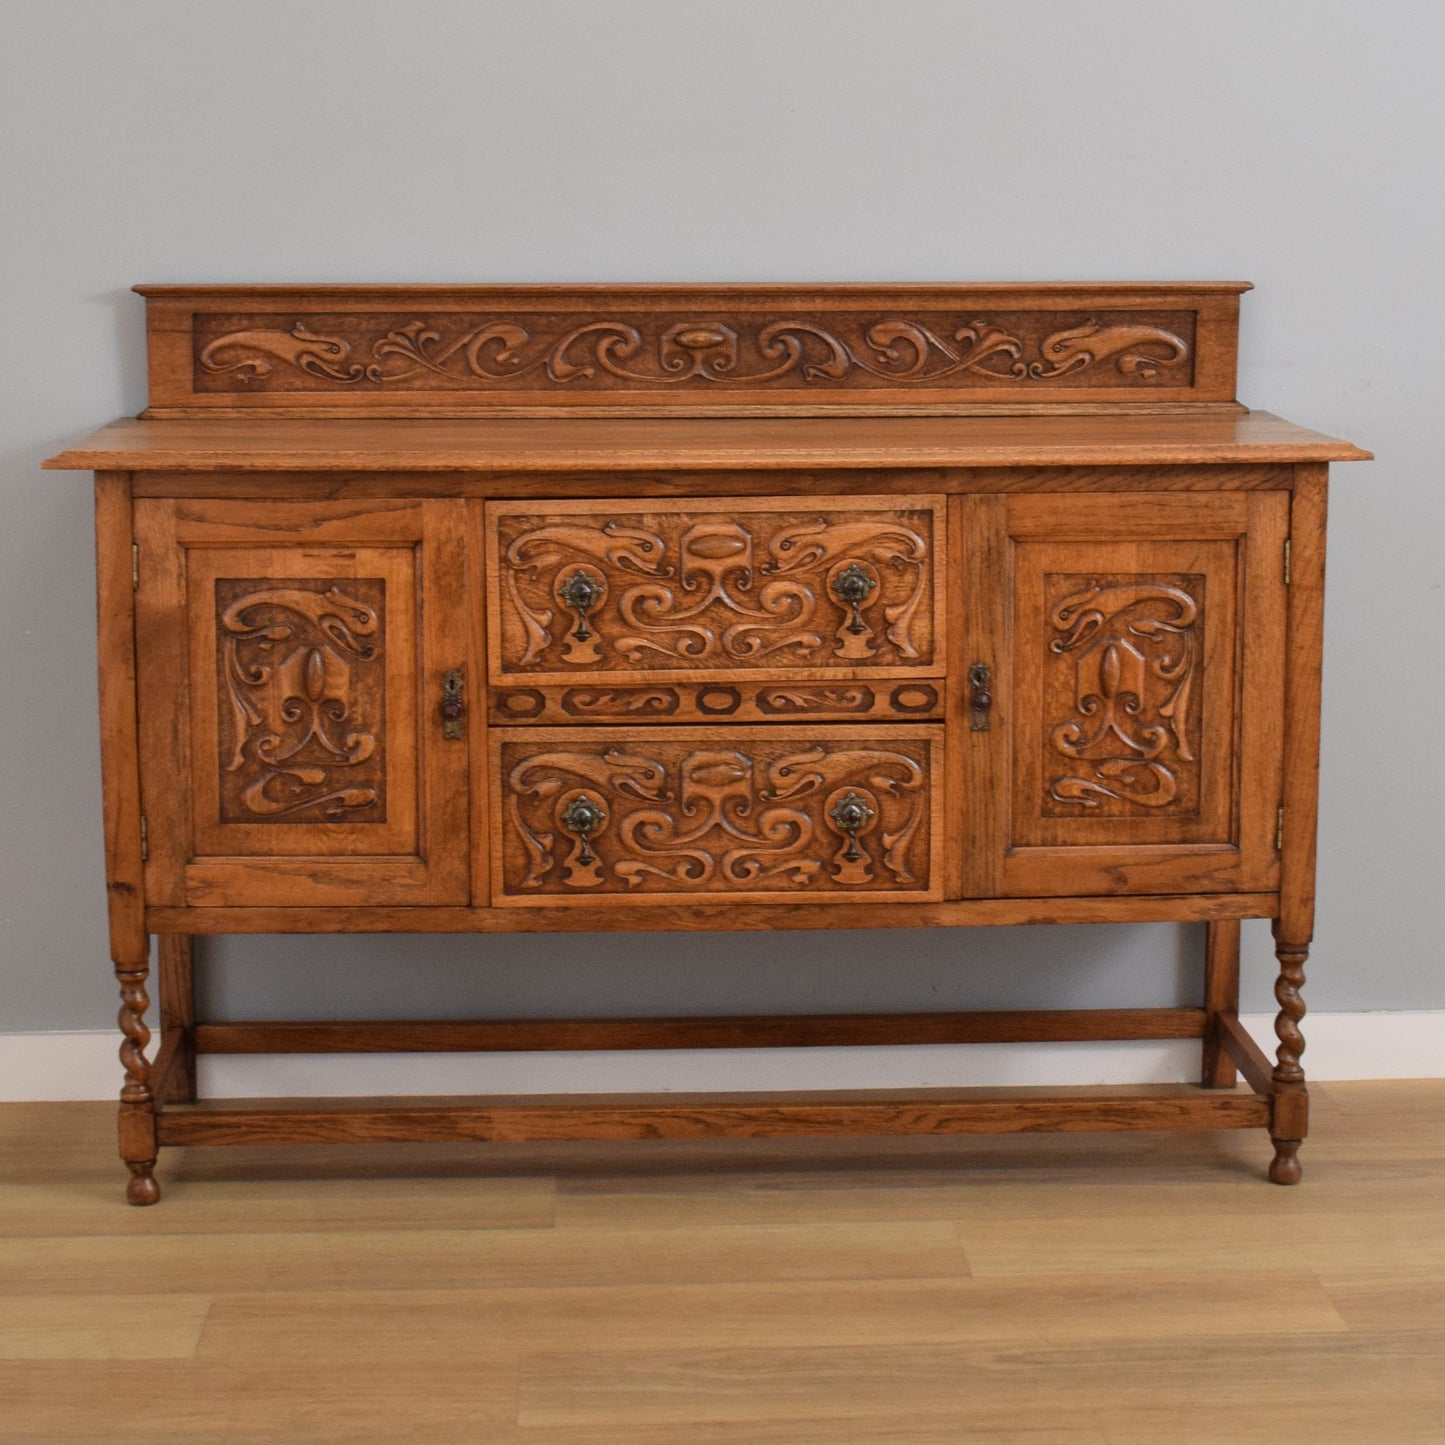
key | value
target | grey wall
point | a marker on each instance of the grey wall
(1293, 144)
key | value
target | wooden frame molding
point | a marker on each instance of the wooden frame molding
(727, 350)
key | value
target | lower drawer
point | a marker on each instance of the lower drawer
(586, 815)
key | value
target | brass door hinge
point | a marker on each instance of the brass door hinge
(135, 566)
(145, 845)
(1286, 561)
(1279, 829)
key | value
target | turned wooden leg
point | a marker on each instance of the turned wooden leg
(1221, 996)
(137, 1107)
(1291, 1100)
(176, 968)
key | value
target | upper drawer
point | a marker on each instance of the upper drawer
(832, 587)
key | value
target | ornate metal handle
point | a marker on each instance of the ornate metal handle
(850, 814)
(581, 592)
(980, 699)
(453, 709)
(583, 817)
(852, 585)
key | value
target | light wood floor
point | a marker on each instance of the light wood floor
(1094, 1290)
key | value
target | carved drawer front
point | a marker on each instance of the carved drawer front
(739, 591)
(601, 815)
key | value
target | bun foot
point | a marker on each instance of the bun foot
(1284, 1168)
(141, 1187)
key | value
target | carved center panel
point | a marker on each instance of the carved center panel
(806, 588)
(1122, 694)
(301, 671)
(583, 817)
(460, 351)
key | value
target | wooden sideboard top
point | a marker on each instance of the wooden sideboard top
(550, 444)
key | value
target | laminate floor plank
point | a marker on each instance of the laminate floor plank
(401, 1324)
(1378, 1421)
(275, 1206)
(890, 1429)
(90, 1327)
(706, 1201)
(460, 1259)
(988, 1387)
(191, 1401)
(1375, 1300)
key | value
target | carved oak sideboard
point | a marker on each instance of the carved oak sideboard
(496, 609)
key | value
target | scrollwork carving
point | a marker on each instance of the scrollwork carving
(1134, 649)
(685, 817)
(837, 698)
(1136, 350)
(753, 589)
(301, 677)
(661, 351)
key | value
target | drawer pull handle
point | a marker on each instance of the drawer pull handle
(852, 585)
(980, 699)
(583, 817)
(850, 814)
(581, 592)
(453, 708)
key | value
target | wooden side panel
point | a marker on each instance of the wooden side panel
(1302, 683)
(600, 817)
(1136, 647)
(120, 765)
(296, 658)
(403, 351)
(710, 590)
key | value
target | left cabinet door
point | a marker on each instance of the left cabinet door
(291, 663)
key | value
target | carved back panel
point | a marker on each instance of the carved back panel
(725, 590)
(308, 642)
(1136, 644)
(399, 350)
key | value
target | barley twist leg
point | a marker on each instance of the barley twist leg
(137, 1107)
(1291, 1100)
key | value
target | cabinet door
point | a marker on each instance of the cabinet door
(292, 657)
(1135, 646)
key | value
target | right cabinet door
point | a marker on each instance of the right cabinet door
(1134, 653)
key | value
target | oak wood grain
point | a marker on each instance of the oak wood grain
(682, 1116)
(723, 1032)
(741, 917)
(559, 445)
(120, 759)
(1221, 1000)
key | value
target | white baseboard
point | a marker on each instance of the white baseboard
(82, 1065)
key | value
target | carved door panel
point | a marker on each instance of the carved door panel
(292, 662)
(594, 816)
(593, 602)
(1135, 648)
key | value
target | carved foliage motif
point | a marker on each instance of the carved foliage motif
(758, 589)
(301, 672)
(674, 817)
(471, 352)
(1124, 672)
